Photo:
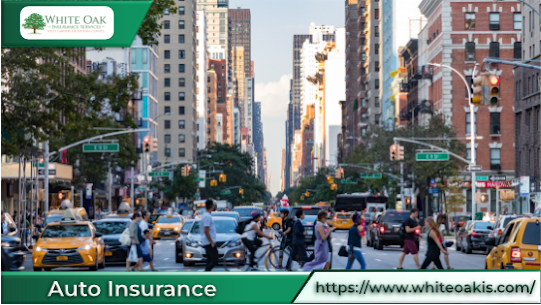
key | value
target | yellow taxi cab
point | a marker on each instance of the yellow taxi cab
(69, 242)
(274, 221)
(519, 246)
(342, 220)
(167, 226)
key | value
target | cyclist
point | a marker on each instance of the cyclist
(248, 237)
(287, 224)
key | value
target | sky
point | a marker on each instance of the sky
(274, 22)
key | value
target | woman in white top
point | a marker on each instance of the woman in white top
(249, 236)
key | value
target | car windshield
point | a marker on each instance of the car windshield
(187, 226)
(111, 227)
(310, 211)
(343, 216)
(245, 212)
(222, 227)
(532, 234)
(309, 220)
(172, 219)
(396, 217)
(232, 215)
(57, 217)
(482, 225)
(506, 220)
(66, 231)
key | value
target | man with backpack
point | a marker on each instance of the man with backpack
(249, 235)
(407, 231)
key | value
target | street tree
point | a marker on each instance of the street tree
(35, 21)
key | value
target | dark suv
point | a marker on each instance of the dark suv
(310, 213)
(388, 227)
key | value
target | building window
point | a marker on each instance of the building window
(376, 48)
(167, 110)
(470, 51)
(376, 13)
(181, 82)
(167, 68)
(167, 82)
(376, 31)
(469, 24)
(376, 83)
(167, 152)
(167, 138)
(181, 138)
(495, 161)
(494, 123)
(494, 21)
(181, 96)
(181, 124)
(181, 10)
(181, 68)
(181, 54)
(516, 50)
(166, 25)
(362, 42)
(517, 21)
(180, 38)
(166, 11)
(468, 120)
(167, 96)
(167, 124)
(495, 49)
(376, 101)
(363, 56)
(222, 15)
(222, 29)
(166, 38)
(181, 24)
(181, 110)
(376, 66)
(166, 54)
(181, 152)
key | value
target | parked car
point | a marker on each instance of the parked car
(461, 234)
(111, 229)
(457, 222)
(12, 258)
(226, 239)
(275, 221)
(245, 212)
(388, 228)
(519, 246)
(228, 214)
(499, 226)
(12, 226)
(371, 227)
(180, 240)
(475, 235)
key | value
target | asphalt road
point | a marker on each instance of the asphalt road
(164, 260)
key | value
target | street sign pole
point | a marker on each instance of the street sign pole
(402, 185)
(146, 179)
(497, 202)
(132, 196)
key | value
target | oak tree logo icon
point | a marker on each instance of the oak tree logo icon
(34, 21)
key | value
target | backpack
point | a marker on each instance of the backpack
(402, 231)
(125, 237)
(241, 226)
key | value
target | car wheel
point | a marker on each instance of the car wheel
(368, 242)
(468, 249)
(276, 227)
(95, 267)
(486, 265)
(380, 245)
(102, 265)
(37, 269)
(458, 248)
(187, 264)
(47, 269)
(178, 258)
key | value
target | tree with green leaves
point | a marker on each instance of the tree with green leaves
(150, 28)
(35, 21)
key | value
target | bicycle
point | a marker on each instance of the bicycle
(241, 264)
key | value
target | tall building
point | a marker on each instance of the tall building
(283, 171)
(240, 35)
(460, 34)
(219, 67)
(290, 130)
(229, 136)
(201, 79)
(239, 76)
(352, 113)
(400, 22)
(211, 109)
(527, 106)
(177, 87)
(248, 105)
(258, 139)
(216, 12)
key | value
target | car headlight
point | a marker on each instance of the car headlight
(157, 229)
(193, 243)
(38, 248)
(234, 243)
(177, 229)
(85, 247)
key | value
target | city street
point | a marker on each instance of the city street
(386, 259)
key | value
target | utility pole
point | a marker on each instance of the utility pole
(46, 177)
(109, 186)
(132, 195)
(146, 179)
(402, 185)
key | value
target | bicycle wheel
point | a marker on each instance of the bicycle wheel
(272, 261)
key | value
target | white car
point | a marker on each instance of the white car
(499, 226)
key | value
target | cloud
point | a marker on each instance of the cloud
(274, 98)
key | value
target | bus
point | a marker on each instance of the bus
(359, 202)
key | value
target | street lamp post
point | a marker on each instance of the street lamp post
(472, 131)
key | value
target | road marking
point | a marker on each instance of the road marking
(379, 260)
(172, 244)
(166, 258)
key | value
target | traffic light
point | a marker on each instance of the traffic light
(146, 144)
(394, 151)
(213, 182)
(330, 180)
(153, 144)
(481, 198)
(307, 194)
(241, 191)
(222, 178)
(339, 173)
(185, 172)
(503, 195)
(477, 89)
(494, 89)
(399, 152)
(334, 187)
(507, 195)
(302, 198)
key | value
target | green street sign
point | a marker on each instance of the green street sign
(432, 157)
(100, 147)
(226, 192)
(40, 165)
(348, 182)
(159, 174)
(199, 179)
(482, 178)
(141, 188)
(372, 176)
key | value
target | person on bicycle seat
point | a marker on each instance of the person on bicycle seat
(287, 226)
(249, 239)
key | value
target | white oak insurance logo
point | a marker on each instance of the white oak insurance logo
(67, 22)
